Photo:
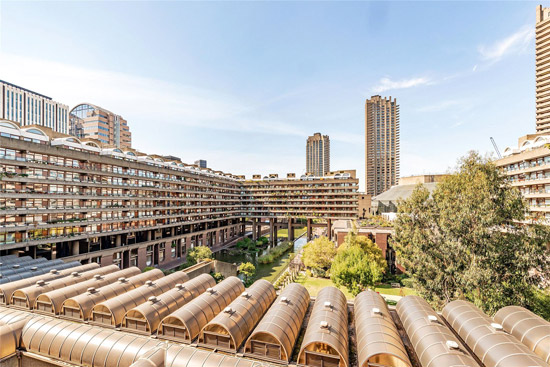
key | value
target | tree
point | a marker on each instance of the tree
(198, 254)
(248, 270)
(358, 264)
(466, 240)
(318, 255)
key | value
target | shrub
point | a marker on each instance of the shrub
(148, 268)
(198, 254)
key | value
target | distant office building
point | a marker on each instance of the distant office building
(542, 68)
(201, 163)
(318, 154)
(90, 121)
(381, 144)
(30, 108)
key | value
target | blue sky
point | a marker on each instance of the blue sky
(242, 84)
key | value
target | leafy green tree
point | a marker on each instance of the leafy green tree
(248, 270)
(318, 255)
(358, 264)
(198, 254)
(466, 240)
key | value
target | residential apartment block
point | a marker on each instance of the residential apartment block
(381, 144)
(31, 108)
(542, 68)
(528, 165)
(318, 154)
(63, 197)
(91, 121)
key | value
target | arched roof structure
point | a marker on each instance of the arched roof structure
(51, 302)
(230, 328)
(186, 323)
(80, 307)
(84, 345)
(434, 343)
(178, 356)
(528, 328)
(12, 323)
(25, 297)
(326, 337)
(6, 290)
(378, 341)
(146, 317)
(490, 343)
(275, 336)
(112, 311)
(39, 270)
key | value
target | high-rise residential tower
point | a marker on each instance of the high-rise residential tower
(542, 65)
(318, 154)
(30, 108)
(90, 121)
(381, 144)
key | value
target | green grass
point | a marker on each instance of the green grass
(270, 273)
(387, 289)
(297, 232)
(314, 285)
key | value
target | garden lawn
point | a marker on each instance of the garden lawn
(314, 285)
(297, 232)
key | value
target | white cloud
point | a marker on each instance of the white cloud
(387, 84)
(513, 44)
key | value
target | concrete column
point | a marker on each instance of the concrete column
(329, 229)
(75, 248)
(259, 234)
(273, 231)
(290, 230)
(149, 235)
(254, 229)
(309, 230)
(118, 240)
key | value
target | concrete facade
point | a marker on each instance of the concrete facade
(382, 149)
(542, 68)
(318, 155)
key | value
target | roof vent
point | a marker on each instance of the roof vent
(97, 277)
(210, 290)
(149, 283)
(152, 299)
(40, 282)
(53, 271)
(34, 268)
(228, 310)
(91, 290)
(324, 324)
(122, 280)
(75, 273)
(285, 300)
(245, 295)
(376, 311)
(180, 286)
(497, 327)
(328, 304)
(16, 266)
(432, 318)
(451, 344)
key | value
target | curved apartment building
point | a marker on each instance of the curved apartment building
(80, 200)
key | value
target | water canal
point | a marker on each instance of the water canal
(269, 272)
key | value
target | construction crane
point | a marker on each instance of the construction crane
(496, 148)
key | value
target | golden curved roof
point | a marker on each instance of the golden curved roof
(111, 311)
(186, 323)
(80, 307)
(51, 302)
(239, 318)
(490, 343)
(26, 297)
(178, 356)
(282, 322)
(84, 345)
(147, 316)
(378, 341)
(528, 328)
(327, 329)
(7, 289)
(430, 336)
